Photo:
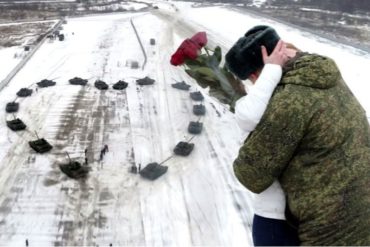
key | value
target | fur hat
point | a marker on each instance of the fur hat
(245, 55)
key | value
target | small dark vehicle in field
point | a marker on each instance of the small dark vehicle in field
(120, 85)
(199, 110)
(145, 81)
(197, 96)
(46, 83)
(181, 85)
(40, 145)
(195, 127)
(16, 124)
(153, 171)
(99, 84)
(24, 92)
(12, 107)
(183, 148)
(74, 169)
(78, 81)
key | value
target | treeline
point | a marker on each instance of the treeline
(47, 10)
(347, 6)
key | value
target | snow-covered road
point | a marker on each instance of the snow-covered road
(197, 202)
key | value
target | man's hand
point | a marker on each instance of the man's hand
(278, 55)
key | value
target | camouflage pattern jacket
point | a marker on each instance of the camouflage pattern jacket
(315, 138)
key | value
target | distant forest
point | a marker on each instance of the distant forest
(348, 6)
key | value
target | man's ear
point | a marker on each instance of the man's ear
(253, 77)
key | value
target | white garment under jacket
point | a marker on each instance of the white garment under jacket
(249, 109)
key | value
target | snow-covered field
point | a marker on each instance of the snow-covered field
(198, 201)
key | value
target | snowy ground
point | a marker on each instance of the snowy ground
(198, 201)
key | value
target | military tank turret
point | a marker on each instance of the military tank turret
(197, 96)
(12, 107)
(46, 83)
(78, 81)
(74, 169)
(153, 171)
(199, 110)
(40, 145)
(183, 148)
(24, 92)
(101, 85)
(145, 81)
(195, 127)
(120, 85)
(181, 85)
(16, 124)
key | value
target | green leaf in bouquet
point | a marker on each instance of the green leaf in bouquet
(205, 71)
(219, 94)
(233, 81)
(195, 62)
(200, 79)
(218, 54)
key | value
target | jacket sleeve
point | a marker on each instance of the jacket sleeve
(269, 149)
(250, 108)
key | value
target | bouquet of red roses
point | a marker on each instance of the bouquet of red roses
(203, 65)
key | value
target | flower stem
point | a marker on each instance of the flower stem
(205, 48)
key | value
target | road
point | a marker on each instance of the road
(197, 202)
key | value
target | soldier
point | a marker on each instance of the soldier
(314, 139)
(101, 155)
(26, 242)
(106, 148)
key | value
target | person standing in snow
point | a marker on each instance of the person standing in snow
(269, 225)
(314, 138)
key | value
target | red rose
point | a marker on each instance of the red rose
(177, 58)
(188, 49)
(200, 38)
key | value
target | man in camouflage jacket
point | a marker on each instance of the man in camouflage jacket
(315, 138)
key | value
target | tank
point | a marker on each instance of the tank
(16, 124)
(78, 81)
(134, 64)
(197, 96)
(24, 92)
(153, 171)
(195, 127)
(40, 145)
(12, 107)
(199, 110)
(99, 84)
(145, 81)
(74, 169)
(183, 148)
(46, 83)
(120, 85)
(181, 85)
